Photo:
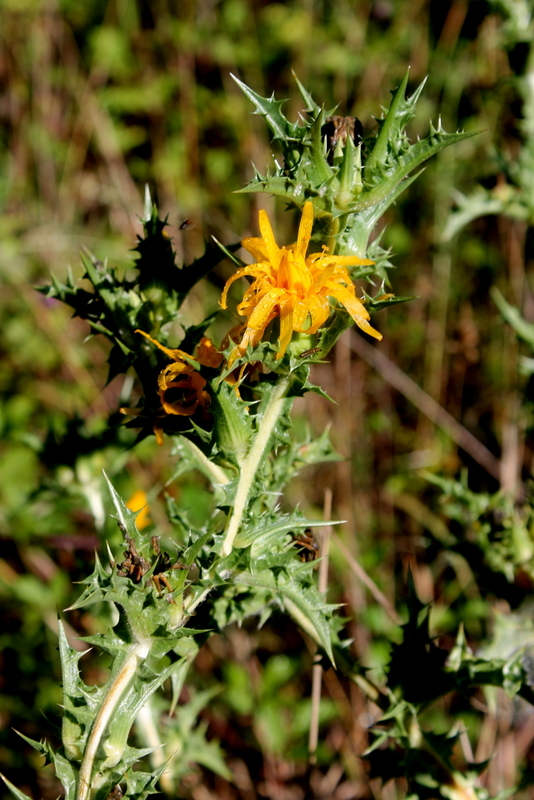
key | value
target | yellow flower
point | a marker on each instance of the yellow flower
(295, 288)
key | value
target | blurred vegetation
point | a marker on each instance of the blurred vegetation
(100, 98)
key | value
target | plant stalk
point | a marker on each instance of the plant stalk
(251, 462)
(122, 680)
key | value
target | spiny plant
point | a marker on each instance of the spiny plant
(227, 408)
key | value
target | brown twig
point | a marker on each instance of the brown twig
(362, 576)
(317, 674)
(426, 405)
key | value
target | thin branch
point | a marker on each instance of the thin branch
(362, 575)
(317, 673)
(253, 460)
(426, 405)
(134, 657)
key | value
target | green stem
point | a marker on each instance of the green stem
(331, 242)
(215, 474)
(252, 460)
(115, 692)
(147, 731)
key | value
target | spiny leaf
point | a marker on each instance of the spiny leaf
(339, 322)
(400, 111)
(306, 606)
(208, 753)
(190, 711)
(69, 661)
(125, 517)
(42, 747)
(13, 789)
(98, 585)
(178, 679)
(67, 774)
(232, 425)
(139, 785)
(77, 718)
(310, 105)
(193, 550)
(480, 204)
(314, 167)
(261, 536)
(304, 603)
(288, 189)
(361, 221)
(271, 109)
(380, 301)
(387, 175)
(228, 253)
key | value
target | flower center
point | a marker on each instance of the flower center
(293, 274)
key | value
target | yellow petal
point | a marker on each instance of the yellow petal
(208, 355)
(256, 247)
(349, 300)
(253, 295)
(181, 410)
(301, 310)
(172, 353)
(260, 317)
(185, 407)
(305, 229)
(319, 311)
(273, 251)
(171, 372)
(358, 312)
(334, 274)
(286, 326)
(190, 383)
(253, 269)
(364, 325)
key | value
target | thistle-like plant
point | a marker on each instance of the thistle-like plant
(227, 407)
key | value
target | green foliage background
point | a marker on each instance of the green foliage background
(100, 98)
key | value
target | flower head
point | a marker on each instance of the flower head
(294, 288)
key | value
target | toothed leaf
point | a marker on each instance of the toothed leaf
(270, 108)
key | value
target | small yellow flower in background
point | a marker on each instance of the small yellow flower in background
(182, 379)
(295, 288)
(139, 502)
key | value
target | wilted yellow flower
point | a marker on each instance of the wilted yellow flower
(295, 288)
(183, 380)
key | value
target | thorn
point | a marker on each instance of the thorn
(147, 213)
(110, 555)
